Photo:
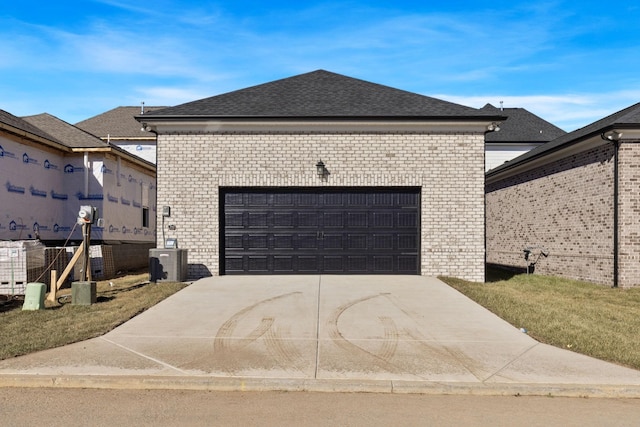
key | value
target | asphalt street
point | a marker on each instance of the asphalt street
(75, 407)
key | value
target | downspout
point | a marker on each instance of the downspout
(86, 174)
(614, 137)
(616, 251)
(493, 127)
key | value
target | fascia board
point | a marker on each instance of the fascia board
(285, 126)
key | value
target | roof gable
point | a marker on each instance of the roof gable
(319, 94)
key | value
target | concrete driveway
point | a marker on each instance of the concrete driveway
(322, 333)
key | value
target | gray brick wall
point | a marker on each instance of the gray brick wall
(565, 206)
(448, 167)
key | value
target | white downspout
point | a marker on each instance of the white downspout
(86, 174)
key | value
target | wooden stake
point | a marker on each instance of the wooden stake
(67, 270)
(52, 292)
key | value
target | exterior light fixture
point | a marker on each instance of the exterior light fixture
(612, 135)
(493, 127)
(321, 169)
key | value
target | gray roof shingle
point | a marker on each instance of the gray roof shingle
(20, 123)
(65, 133)
(626, 118)
(320, 94)
(522, 125)
(117, 123)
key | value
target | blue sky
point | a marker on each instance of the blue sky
(569, 62)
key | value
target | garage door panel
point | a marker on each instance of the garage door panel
(333, 264)
(407, 242)
(383, 242)
(382, 219)
(283, 219)
(383, 263)
(234, 264)
(333, 219)
(308, 199)
(258, 263)
(357, 220)
(308, 264)
(283, 241)
(258, 241)
(333, 241)
(357, 264)
(235, 219)
(306, 241)
(320, 230)
(257, 220)
(283, 264)
(308, 220)
(283, 200)
(407, 264)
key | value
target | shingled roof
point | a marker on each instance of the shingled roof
(65, 133)
(117, 123)
(521, 125)
(627, 118)
(23, 125)
(319, 94)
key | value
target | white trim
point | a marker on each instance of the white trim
(301, 126)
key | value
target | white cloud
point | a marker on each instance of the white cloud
(170, 96)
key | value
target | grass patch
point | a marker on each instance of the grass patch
(591, 319)
(62, 323)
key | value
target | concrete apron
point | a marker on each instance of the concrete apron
(402, 334)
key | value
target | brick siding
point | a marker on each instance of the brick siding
(629, 213)
(448, 167)
(565, 206)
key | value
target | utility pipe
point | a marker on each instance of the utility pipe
(86, 174)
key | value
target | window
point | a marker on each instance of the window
(145, 217)
(145, 205)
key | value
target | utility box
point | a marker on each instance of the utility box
(168, 265)
(83, 293)
(34, 296)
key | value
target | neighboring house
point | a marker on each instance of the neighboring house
(577, 198)
(521, 132)
(49, 168)
(401, 190)
(119, 127)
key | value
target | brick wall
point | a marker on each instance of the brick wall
(448, 167)
(629, 213)
(565, 206)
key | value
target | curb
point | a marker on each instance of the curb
(318, 385)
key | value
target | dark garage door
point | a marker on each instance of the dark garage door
(320, 230)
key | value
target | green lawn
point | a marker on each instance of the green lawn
(595, 320)
(62, 323)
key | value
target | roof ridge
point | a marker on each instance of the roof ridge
(320, 94)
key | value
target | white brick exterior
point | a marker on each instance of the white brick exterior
(448, 166)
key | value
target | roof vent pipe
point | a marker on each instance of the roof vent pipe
(142, 108)
(501, 107)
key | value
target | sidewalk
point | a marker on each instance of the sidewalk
(400, 334)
